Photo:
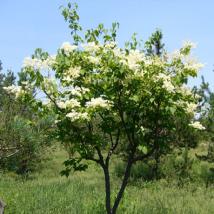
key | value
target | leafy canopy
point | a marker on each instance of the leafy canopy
(104, 95)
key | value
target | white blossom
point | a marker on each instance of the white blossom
(191, 107)
(79, 91)
(16, 90)
(118, 52)
(93, 59)
(167, 83)
(71, 73)
(91, 47)
(68, 48)
(61, 104)
(110, 45)
(72, 103)
(98, 102)
(189, 44)
(57, 121)
(133, 59)
(25, 83)
(50, 61)
(174, 55)
(74, 72)
(197, 125)
(191, 63)
(74, 116)
(34, 63)
(39, 64)
(184, 90)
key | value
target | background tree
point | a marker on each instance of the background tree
(207, 138)
(22, 142)
(154, 45)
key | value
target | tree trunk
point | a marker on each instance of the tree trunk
(2, 206)
(107, 189)
(124, 182)
(157, 162)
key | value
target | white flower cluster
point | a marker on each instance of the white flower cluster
(174, 56)
(189, 44)
(119, 53)
(16, 90)
(38, 63)
(75, 116)
(72, 103)
(133, 59)
(68, 48)
(94, 60)
(189, 62)
(197, 125)
(167, 84)
(191, 107)
(184, 90)
(192, 64)
(98, 102)
(110, 45)
(91, 47)
(71, 74)
(79, 91)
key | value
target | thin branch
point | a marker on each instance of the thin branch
(54, 101)
(93, 159)
(7, 149)
(100, 161)
(142, 157)
(10, 155)
(123, 121)
(114, 145)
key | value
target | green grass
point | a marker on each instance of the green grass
(83, 193)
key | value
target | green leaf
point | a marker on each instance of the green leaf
(143, 149)
(172, 110)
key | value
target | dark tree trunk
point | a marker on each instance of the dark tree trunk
(105, 166)
(107, 188)
(157, 162)
(124, 182)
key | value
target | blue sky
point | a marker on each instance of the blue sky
(29, 24)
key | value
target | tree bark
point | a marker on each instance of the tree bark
(2, 206)
(157, 162)
(124, 182)
(107, 189)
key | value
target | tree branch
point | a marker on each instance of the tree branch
(114, 145)
(142, 157)
(52, 100)
(125, 180)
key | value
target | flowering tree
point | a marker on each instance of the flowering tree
(110, 100)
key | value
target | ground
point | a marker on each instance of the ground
(46, 192)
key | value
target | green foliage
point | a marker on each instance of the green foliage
(74, 164)
(30, 141)
(140, 171)
(207, 174)
(154, 45)
(71, 16)
(23, 142)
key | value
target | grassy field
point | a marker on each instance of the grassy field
(47, 192)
